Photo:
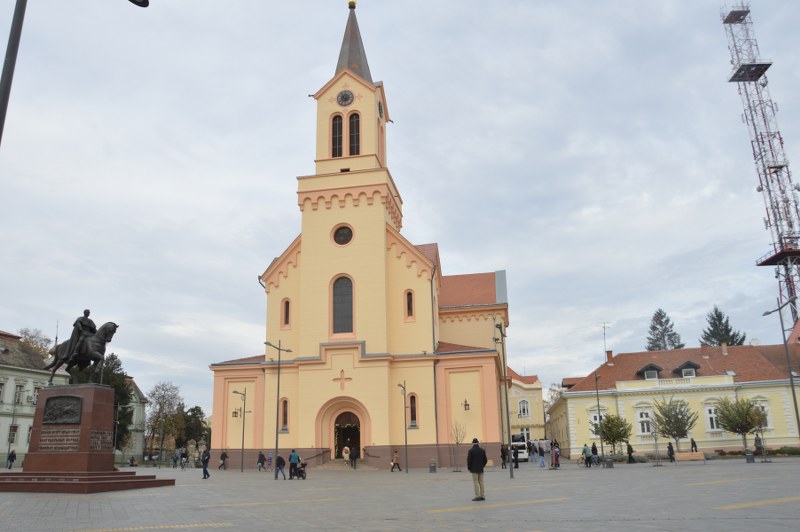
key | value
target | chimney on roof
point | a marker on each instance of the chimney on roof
(724, 347)
(610, 357)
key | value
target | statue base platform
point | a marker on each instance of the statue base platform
(71, 448)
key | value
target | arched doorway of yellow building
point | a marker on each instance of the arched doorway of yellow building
(339, 419)
(347, 432)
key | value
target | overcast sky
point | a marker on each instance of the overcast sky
(593, 150)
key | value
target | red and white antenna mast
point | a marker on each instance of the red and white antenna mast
(774, 178)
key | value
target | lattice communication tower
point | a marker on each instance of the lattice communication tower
(774, 178)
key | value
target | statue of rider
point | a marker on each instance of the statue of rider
(82, 328)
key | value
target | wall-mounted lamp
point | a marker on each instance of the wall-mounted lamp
(466, 405)
(235, 412)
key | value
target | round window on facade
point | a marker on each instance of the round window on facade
(343, 235)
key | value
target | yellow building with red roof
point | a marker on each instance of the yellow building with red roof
(368, 343)
(628, 385)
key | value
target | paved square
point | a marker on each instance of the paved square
(725, 495)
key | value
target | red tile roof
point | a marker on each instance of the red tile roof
(469, 289)
(445, 347)
(569, 382)
(749, 363)
(526, 379)
(431, 251)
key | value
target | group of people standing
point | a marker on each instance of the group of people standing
(280, 465)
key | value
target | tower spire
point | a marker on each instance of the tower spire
(352, 55)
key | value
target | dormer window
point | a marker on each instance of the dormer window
(650, 372)
(687, 370)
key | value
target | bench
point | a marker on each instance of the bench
(690, 457)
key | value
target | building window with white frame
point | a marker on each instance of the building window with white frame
(524, 409)
(645, 425)
(12, 434)
(713, 424)
(19, 394)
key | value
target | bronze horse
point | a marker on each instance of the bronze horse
(92, 351)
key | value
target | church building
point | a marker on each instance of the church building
(368, 343)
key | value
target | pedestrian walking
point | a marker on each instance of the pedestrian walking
(694, 446)
(587, 456)
(396, 461)
(280, 464)
(671, 452)
(294, 461)
(516, 457)
(184, 458)
(261, 460)
(476, 461)
(223, 460)
(12, 456)
(346, 455)
(595, 459)
(269, 461)
(503, 455)
(630, 454)
(206, 458)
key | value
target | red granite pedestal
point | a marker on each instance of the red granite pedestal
(72, 447)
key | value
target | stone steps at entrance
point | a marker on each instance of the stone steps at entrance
(338, 465)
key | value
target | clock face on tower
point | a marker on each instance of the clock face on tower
(345, 98)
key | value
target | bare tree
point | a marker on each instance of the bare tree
(459, 432)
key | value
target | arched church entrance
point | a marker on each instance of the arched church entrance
(347, 431)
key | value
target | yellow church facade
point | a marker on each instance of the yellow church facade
(368, 343)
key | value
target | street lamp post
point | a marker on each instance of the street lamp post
(788, 358)
(405, 424)
(11, 55)
(599, 419)
(277, 394)
(116, 423)
(244, 418)
(505, 388)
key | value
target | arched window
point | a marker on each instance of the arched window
(342, 305)
(285, 415)
(412, 410)
(355, 134)
(336, 136)
(285, 314)
(409, 305)
(524, 409)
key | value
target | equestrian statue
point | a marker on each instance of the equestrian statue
(86, 346)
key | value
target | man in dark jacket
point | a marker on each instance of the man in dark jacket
(280, 463)
(476, 461)
(206, 457)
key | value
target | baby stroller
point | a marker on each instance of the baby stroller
(301, 470)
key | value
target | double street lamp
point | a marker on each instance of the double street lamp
(505, 387)
(790, 301)
(599, 419)
(11, 55)
(405, 423)
(278, 393)
(243, 411)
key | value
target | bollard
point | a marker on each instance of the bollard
(749, 458)
(432, 466)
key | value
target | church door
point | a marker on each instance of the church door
(347, 431)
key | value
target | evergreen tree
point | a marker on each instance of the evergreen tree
(719, 330)
(114, 375)
(662, 335)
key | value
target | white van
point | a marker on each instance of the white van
(523, 451)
